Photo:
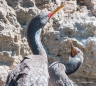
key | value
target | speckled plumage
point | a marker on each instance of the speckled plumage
(31, 71)
(58, 76)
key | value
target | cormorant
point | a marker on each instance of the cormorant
(59, 71)
(33, 69)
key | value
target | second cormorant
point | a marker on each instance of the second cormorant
(59, 71)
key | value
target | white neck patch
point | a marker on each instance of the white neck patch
(74, 58)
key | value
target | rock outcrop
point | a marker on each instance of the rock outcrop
(77, 20)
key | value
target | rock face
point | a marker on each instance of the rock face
(91, 4)
(76, 21)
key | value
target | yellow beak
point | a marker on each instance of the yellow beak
(54, 11)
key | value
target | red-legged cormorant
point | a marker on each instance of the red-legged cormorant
(33, 69)
(59, 71)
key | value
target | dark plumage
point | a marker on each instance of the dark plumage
(33, 69)
(58, 71)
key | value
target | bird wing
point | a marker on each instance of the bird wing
(19, 74)
(31, 71)
(58, 76)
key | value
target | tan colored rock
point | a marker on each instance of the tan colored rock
(91, 4)
(10, 40)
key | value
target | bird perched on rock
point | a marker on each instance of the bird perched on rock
(59, 71)
(33, 69)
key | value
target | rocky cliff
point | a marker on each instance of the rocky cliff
(77, 20)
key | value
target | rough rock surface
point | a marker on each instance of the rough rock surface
(77, 21)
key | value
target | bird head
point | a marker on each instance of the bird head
(46, 16)
(40, 20)
(50, 14)
(76, 53)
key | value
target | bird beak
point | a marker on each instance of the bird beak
(73, 50)
(54, 11)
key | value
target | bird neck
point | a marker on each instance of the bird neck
(34, 41)
(72, 65)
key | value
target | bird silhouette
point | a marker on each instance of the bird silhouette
(59, 71)
(33, 69)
